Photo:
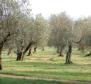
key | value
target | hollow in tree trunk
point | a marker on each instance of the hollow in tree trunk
(68, 55)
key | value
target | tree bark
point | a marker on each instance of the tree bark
(1, 47)
(68, 55)
(61, 52)
(0, 60)
(27, 48)
(29, 52)
(35, 49)
(19, 54)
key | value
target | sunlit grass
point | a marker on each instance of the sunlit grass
(47, 64)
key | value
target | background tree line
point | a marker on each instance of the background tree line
(18, 28)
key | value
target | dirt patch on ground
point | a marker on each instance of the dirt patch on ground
(42, 58)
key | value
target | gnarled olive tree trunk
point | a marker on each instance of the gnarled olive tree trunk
(35, 49)
(1, 47)
(29, 51)
(0, 60)
(68, 55)
(21, 52)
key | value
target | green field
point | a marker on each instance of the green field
(46, 65)
(23, 81)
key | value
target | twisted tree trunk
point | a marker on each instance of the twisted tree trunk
(29, 52)
(1, 47)
(61, 52)
(35, 49)
(68, 55)
(26, 49)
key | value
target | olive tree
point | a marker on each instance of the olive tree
(12, 24)
(84, 29)
(61, 26)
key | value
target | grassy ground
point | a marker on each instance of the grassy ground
(47, 64)
(26, 81)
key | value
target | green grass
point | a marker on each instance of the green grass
(47, 64)
(26, 81)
